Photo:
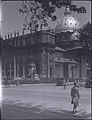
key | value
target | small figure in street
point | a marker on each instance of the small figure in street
(18, 82)
(75, 97)
(64, 84)
(77, 83)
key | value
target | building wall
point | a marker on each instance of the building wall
(70, 41)
(59, 72)
(37, 48)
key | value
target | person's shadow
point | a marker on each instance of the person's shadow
(80, 114)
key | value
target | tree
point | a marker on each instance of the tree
(38, 11)
(85, 36)
(86, 41)
(34, 15)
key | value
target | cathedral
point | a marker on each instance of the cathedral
(48, 54)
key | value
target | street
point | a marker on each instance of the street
(43, 101)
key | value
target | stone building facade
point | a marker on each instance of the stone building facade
(48, 54)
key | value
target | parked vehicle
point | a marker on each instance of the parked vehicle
(88, 83)
(60, 82)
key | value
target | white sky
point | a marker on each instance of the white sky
(13, 20)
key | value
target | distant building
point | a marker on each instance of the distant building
(48, 54)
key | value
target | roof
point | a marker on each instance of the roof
(75, 48)
(67, 23)
(59, 49)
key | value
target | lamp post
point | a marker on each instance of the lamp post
(0, 63)
(0, 20)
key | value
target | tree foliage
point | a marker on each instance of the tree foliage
(86, 40)
(85, 35)
(38, 11)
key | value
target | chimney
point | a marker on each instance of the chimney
(11, 35)
(5, 37)
(8, 36)
(15, 34)
(23, 32)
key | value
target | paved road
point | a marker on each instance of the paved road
(43, 101)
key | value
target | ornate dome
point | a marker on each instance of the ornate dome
(67, 23)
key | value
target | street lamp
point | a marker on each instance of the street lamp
(0, 65)
(0, 19)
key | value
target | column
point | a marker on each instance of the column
(54, 66)
(80, 67)
(4, 66)
(43, 67)
(17, 66)
(14, 67)
(84, 68)
(23, 66)
(10, 67)
(48, 75)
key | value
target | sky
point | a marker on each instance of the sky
(0, 12)
(12, 20)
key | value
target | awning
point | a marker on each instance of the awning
(75, 48)
(59, 49)
(65, 60)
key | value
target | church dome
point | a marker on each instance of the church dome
(67, 23)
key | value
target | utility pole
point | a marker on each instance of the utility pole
(91, 48)
(0, 82)
(0, 60)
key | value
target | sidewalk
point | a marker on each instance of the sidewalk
(50, 84)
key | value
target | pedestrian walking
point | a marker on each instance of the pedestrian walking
(77, 83)
(75, 97)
